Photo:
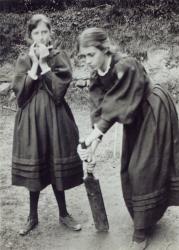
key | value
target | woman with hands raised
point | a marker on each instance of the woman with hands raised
(45, 133)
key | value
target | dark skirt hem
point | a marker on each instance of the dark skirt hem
(35, 185)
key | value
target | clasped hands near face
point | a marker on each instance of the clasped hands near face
(38, 53)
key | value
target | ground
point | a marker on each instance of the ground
(50, 234)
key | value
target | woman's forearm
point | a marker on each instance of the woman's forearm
(95, 134)
(33, 71)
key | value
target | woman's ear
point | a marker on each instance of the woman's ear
(53, 36)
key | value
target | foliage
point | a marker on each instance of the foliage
(12, 33)
(127, 26)
(155, 7)
(135, 25)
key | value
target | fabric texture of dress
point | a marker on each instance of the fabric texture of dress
(45, 133)
(150, 151)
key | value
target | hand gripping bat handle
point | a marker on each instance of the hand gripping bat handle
(83, 146)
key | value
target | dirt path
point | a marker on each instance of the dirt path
(50, 234)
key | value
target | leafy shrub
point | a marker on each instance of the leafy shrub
(128, 26)
(12, 33)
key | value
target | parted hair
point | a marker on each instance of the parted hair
(96, 37)
(33, 22)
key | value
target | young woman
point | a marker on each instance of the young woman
(120, 91)
(45, 134)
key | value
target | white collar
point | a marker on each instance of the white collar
(102, 73)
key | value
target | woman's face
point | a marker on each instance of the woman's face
(94, 57)
(41, 34)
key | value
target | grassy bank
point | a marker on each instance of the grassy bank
(134, 29)
(140, 32)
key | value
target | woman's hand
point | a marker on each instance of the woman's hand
(87, 157)
(43, 54)
(35, 63)
(88, 154)
(90, 167)
(33, 55)
(83, 152)
(92, 151)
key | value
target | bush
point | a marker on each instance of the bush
(12, 33)
(128, 26)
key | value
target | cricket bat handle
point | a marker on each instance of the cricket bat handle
(83, 146)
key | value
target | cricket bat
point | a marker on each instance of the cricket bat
(96, 201)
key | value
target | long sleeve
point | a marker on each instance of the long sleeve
(23, 85)
(120, 103)
(57, 80)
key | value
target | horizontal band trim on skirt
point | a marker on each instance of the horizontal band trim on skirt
(46, 171)
(142, 203)
(37, 185)
(168, 198)
(150, 201)
(152, 195)
(174, 183)
(145, 207)
(46, 165)
(63, 160)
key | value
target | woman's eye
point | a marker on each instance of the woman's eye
(91, 54)
(80, 57)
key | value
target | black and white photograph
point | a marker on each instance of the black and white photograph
(89, 124)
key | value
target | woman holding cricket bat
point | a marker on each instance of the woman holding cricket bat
(45, 133)
(121, 91)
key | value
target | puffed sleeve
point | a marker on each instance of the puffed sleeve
(23, 85)
(57, 80)
(122, 100)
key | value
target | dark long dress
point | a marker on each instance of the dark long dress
(45, 133)
(150, 151)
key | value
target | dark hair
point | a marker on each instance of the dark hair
(33, 22)
(96, 37)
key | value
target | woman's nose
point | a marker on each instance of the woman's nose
(88, 60)
(41, 36)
